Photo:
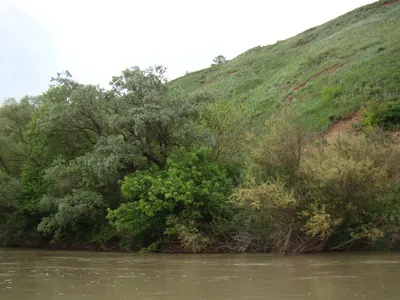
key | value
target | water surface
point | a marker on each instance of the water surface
(61, 275)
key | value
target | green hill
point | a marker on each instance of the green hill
(323, 73)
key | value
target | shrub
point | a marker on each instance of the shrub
(319, 197)
(180, 203)
(350, 188)
(269, 223)
(330, 92)
(385, 114)
(279, 153)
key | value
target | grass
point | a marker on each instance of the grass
(323, 73)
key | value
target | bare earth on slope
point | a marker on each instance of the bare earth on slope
(342, 127)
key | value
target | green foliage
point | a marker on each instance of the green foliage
(14, 119)
(279, 152)
(92, 138)
(219, 59)
(227, 124)
(11, 221)
(150, 116)
(351, 185)
(330, 92)
(14, 154)
(386, 114)
(337, 180)
(71, 120)
(15, 116)
(181, 202)
(79, 206)
(69, 148)
(344, 192)
(268, 214)
(33, 185)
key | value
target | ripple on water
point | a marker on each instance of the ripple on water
(342, 276)
(259, 264)
(224, 277)
(379, 262)
(308, 278)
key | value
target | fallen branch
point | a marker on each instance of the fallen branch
(345, 243)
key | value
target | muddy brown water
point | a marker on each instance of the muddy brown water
(31, 274)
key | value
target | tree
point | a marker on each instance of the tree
(150, 115)
(14, 153)
(226, 123)
(14, 119)
(95, 137)
(219, 59)
(280, 152)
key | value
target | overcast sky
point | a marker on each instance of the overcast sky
(96, 39)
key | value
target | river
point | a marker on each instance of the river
(45, 275)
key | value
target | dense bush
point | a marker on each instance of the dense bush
(385, 114)
(182, 203)
(353, 191)
(316, 198)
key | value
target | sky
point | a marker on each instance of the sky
(97, 39)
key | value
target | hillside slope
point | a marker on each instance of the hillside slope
(323, 73)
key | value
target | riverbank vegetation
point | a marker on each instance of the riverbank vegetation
(217, 160)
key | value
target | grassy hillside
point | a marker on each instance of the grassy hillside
(323, 73)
